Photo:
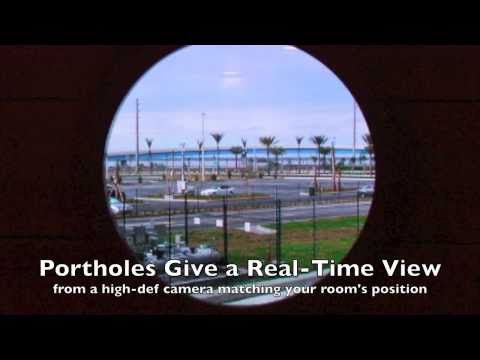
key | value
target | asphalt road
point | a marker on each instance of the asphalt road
(286, 190)
(236, 219)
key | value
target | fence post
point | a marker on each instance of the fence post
(185, 207)
(314, 225)
(198, 200)
(136, 201)
(169, 225)
(279, 231)
(225, 229)
(124, 219)
(358, 209)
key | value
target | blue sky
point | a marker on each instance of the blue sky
(245, 91)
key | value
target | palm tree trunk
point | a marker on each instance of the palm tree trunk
(268, 161)
(151, 163)
(218, 159)
(276, 166)
(298, 169)
(318, 167)
(199, 161)
(236, 164)
(371, 167)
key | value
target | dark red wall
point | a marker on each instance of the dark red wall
(421, 103)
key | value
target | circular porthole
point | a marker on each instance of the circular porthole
(255, 159)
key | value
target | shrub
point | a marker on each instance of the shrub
(213, 177)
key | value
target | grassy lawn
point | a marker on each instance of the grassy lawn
(334, 238)
(324, 224)
(133, 201)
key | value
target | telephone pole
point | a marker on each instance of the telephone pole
(137, 137)
(334, 187)
(354, 134)
(203, 147)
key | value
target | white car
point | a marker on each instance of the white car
(220, 190)
(366, 191)
(117, 207)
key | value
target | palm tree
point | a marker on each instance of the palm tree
(353, 161)
(361, 160)
(319, 141)
(149, 142)
(277, 151)
(236, 150)
(324, 151)
(299, 142)
(244, 152)
(315, 159)
(200, 147)
(268, 141)
(367, 138)
(217, 137)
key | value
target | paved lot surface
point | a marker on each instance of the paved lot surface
(287, 190)
(236, 219)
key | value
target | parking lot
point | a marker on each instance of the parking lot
(248, 193)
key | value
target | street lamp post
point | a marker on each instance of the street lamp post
(333, 166)
(137, 152)
(203, 147)
(354, 135)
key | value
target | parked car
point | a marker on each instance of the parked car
(117, 207)
(366, 191)
(220, 190)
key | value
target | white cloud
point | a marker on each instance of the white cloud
(231, 74)
(232, 79)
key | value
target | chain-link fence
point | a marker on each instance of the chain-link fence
(225, 227)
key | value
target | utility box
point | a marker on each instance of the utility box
(311, 191)
(179, 239)
(181, 186)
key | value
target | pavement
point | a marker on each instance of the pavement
(254, 216)
(292, 189)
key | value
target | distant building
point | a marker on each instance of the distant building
(255, 157)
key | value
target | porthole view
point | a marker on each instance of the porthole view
(225, 154)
